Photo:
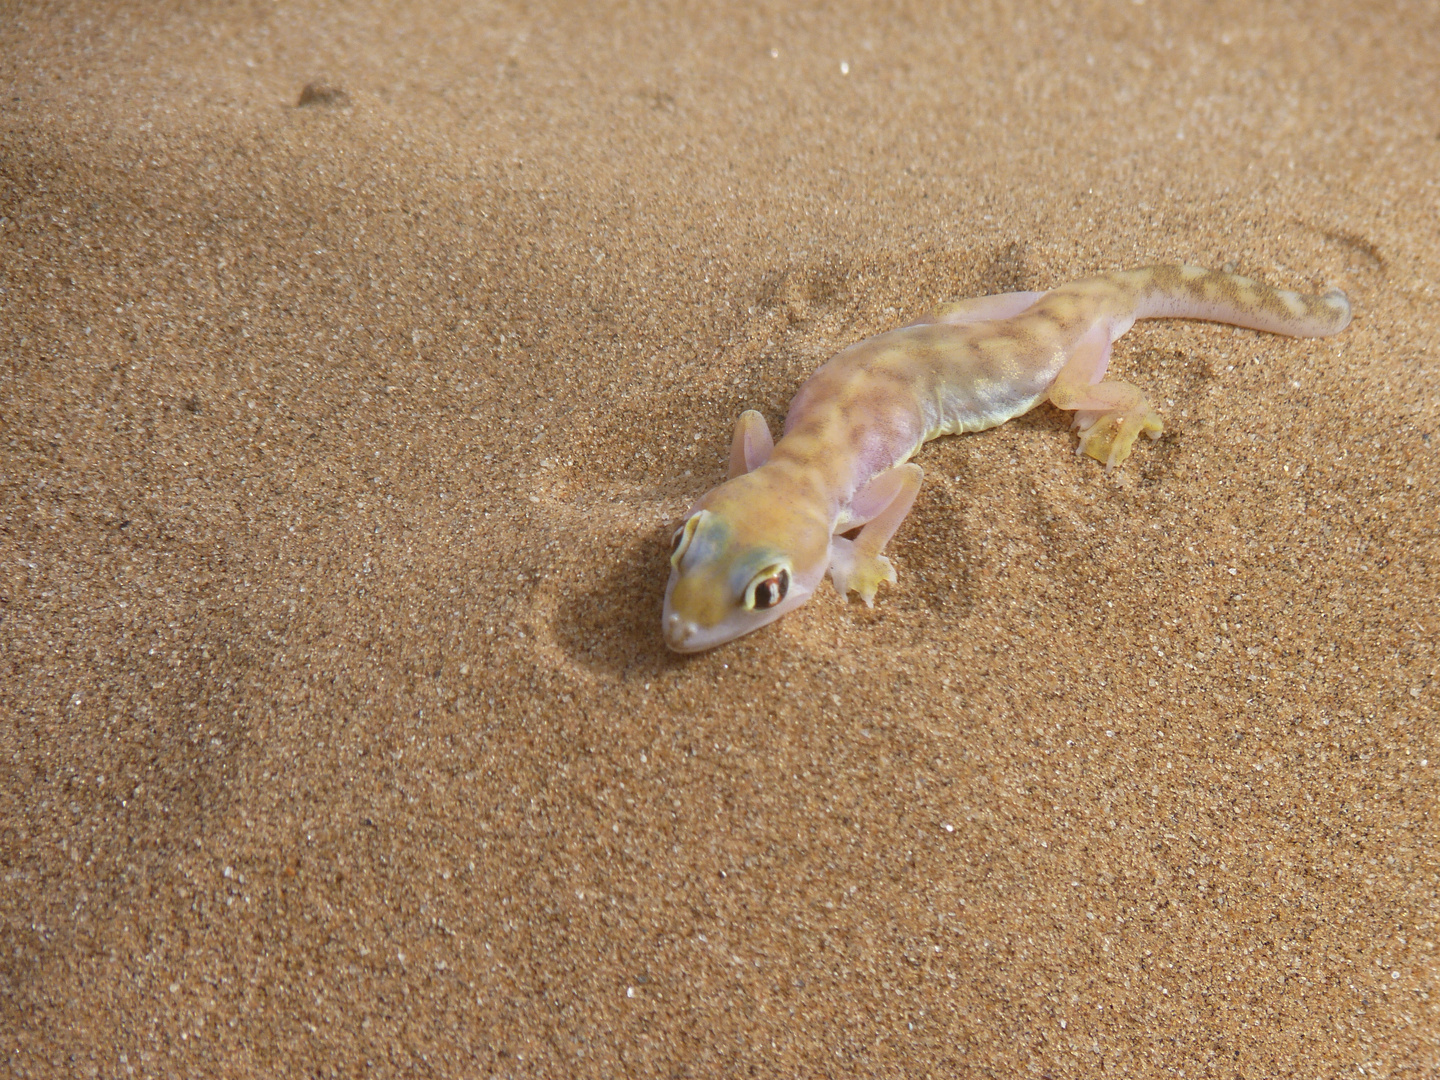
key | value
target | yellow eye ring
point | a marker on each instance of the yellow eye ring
(768, 589)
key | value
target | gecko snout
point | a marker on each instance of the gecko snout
(678, 632)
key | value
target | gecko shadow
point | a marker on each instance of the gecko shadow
(613, 626)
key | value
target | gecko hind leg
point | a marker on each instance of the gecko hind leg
(1109, 413)
(981, 309)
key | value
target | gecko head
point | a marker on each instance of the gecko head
(741, 559)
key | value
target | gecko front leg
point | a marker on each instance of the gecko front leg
(881, 505)
(752, 445)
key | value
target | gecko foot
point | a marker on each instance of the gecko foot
(853, 570)
(1109, 436)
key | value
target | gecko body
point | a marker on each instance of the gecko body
(758, 545)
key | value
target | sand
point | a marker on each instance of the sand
(340, 448)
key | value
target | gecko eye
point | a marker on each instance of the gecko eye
(681, 540)
(769, 589)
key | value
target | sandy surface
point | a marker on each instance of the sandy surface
(340, 448)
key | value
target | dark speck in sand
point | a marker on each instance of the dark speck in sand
(320, 94)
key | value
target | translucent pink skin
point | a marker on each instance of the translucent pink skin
(859, 419)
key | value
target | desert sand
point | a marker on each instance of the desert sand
(340, 449)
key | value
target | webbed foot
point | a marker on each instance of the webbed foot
(852, 570)
(1109, 435)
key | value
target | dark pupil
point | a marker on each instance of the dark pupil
(772, 590)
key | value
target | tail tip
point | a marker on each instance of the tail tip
(1339, 303)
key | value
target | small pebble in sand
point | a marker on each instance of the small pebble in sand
(320, 94)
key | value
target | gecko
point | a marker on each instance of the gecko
(758, 546)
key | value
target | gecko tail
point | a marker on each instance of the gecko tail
(1192, 292)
